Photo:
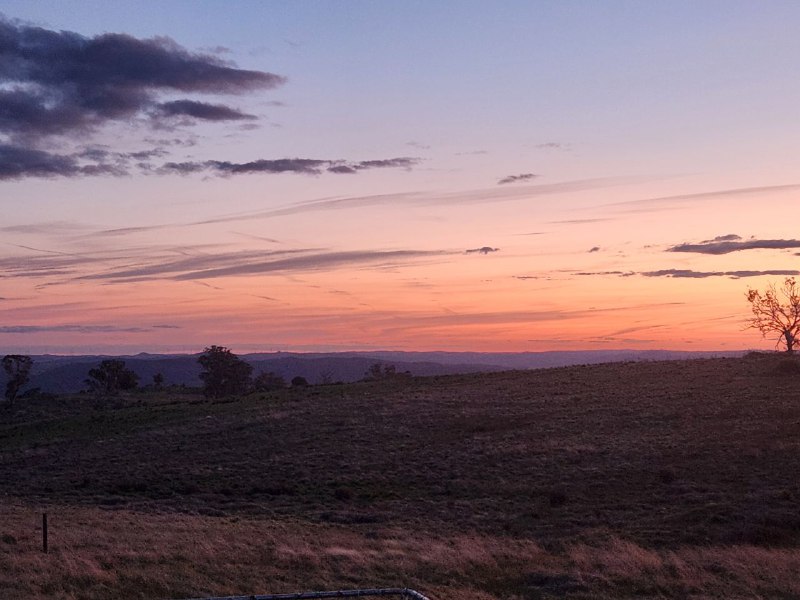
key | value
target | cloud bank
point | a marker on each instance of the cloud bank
(732, 243)
(66, 85)
(691, 274)
(306, 166)
(60, 82)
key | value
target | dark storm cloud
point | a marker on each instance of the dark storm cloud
(59, 82)
(202, 110)
(305, 166)
(727, 244)
(483, 250)
(516, 178)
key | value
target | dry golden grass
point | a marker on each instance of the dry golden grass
(103, 554)
(96, 553)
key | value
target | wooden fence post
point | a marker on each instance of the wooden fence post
(44, 532)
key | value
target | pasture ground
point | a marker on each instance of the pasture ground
(658, 480)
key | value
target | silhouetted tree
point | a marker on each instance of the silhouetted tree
(18, 369)
(266, 381)
(224, 373)
(158, 381)
(299, 381)
(375, 372)
(379, 371)
(777, 311)
(110, 377)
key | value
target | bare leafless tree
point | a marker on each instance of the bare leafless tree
(777, 311)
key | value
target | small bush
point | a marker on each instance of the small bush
(299, 381)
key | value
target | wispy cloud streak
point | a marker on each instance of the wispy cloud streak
(305, 166)
(666, 202)
(516, 178)
(480, 196)
(86, 329)
(726, 246)
(689, 274)
(260, 262)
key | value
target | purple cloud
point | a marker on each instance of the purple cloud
(60, 82)
(730, 243)
(202, 110)
(306, 166)
(689, 274)
(516, 178)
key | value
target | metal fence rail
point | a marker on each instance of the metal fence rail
(402, 592)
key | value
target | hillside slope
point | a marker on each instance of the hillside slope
(664, 453)
(67, 374)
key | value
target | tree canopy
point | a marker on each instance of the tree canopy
(224, 373)
(267, 381)
(110, 377)
(18, 368)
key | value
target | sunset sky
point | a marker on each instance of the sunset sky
(418, 175)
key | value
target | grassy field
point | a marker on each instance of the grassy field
(660, 480)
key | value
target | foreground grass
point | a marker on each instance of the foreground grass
(101, 554)
(662, 480)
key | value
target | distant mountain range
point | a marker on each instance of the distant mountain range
(66, 374)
